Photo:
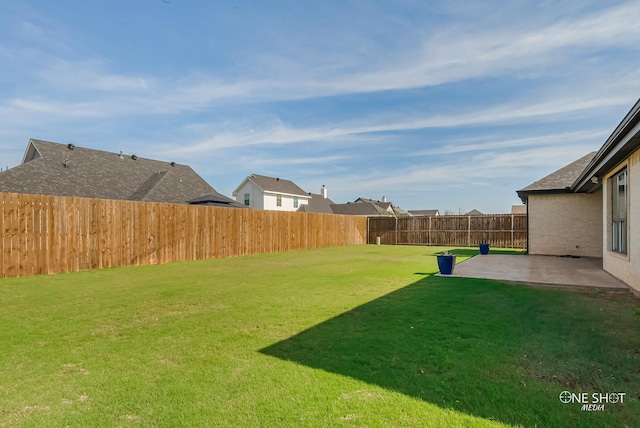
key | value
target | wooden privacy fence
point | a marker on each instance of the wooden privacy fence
(52, 234)
(498, 230)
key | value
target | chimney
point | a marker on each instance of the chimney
(323, 192)
(384, 199)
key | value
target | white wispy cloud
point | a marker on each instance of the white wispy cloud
(555, 73)
(493, 143)
(279, 133)
(444, 57)
(89, 75)
(469, 171)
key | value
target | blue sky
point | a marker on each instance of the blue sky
(447, 105)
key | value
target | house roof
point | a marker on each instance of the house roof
(359, 208)
(400, 212)
(623, 141)
(216, 201)
(559, 181)
(317, 204)
(473, 212)
(585, 174)
(273, 185)
(386, 207)
(382, 204)
(50, 168)
(427, 213)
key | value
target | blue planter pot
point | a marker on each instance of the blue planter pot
(484, 248)
(446, 263)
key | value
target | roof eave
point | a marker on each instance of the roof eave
(235, 192)
(524, 194)
(621, 143)
(28, 150)
(275, 192)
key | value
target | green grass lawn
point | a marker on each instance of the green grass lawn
(352, 336)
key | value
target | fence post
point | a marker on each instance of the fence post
(512, 227)
(469, 231)
(367, 238)
(396, 230)
(429, 239)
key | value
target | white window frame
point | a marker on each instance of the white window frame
(619, 214)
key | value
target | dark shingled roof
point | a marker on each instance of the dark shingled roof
(216, 201)
(66, 170)
(359, 208)
(385, 206)
(317, 204)
(277, 185)
(560, 180)
(473, 212)
(585, 175)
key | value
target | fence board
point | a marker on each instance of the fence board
(9, 266)
(499, 230)
(51, 234)
(3, 237)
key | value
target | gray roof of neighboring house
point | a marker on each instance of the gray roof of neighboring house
(317, 204)
(473, 212)
(66, 170)
(381, 204)
(560, 180)
(275, 185)
(427, 213)
(384, 208)
(216, 201)
(359, 208)
(400, 212)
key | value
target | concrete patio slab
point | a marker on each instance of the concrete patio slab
(539, 270)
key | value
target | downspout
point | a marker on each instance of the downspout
(527, 244)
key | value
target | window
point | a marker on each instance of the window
(279, 200)
(246, 199)
(619, 212)
(295, 202)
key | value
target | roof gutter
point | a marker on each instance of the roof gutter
(524, 194)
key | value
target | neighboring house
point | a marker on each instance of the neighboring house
(383, 207)
(369, 207)
(591, 207)
(49, 168)
(215, 201)
(473, 212)
(361, 208)
(425, 213)
(319, 203)
(518, 209)
(269, 193)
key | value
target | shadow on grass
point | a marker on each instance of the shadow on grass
(468, 345)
